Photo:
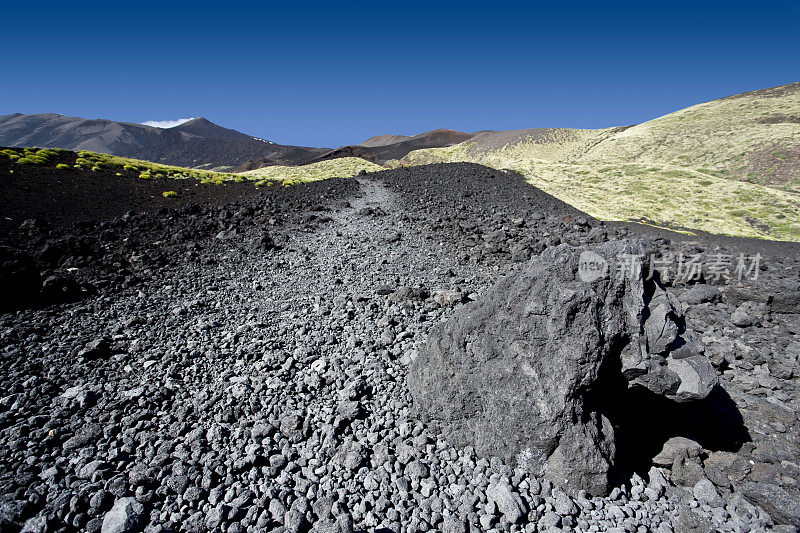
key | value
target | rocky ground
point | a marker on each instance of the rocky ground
(241, 367)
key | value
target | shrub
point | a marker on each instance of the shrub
(62, 166)
(32, 159)
(145, 175)
(96, 168)
(169, 194)
(82, 162)
(132, 168)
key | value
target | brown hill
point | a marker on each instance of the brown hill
(379, 149)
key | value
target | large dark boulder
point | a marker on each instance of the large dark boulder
(517, 373)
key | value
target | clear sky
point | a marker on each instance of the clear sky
(327, 74)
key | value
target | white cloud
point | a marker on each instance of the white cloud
(166, 123)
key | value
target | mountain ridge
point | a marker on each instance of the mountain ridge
(197, 143)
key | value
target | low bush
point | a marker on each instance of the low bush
(169, 194)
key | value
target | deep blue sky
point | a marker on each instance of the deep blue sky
(336, 73)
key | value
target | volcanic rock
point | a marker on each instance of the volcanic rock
(123, 517)
(701, 293)
(783, 506)
(513, 373)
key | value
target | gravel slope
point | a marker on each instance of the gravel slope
(240, 367)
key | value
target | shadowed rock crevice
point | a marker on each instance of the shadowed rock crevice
(644, 421)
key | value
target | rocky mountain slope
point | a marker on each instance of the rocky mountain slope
(241, 364)
(383, 149)
(751, 136)
(730, 165)
(197, 143)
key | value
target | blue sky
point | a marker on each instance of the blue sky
(327, 74)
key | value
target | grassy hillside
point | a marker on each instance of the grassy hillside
(92, 161)
(345, 167)
(752, 137)
(728, 166)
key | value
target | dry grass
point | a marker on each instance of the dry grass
(692, 168)
(345, 167)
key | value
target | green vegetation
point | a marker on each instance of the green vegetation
(32, 159)
(169, 194)
(31, 156)
(10, 154)
(148, 170)
(263, 177)
(345, 167)
(86, 160)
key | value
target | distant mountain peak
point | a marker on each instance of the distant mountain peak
(199, 121)
(204, 127)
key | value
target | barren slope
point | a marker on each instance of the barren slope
(242, 367)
